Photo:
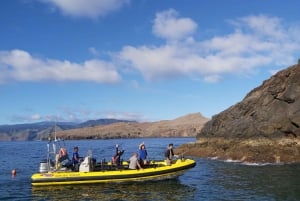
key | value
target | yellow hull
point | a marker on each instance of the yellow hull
(158, 172)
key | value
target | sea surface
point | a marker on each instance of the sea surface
(210, 179)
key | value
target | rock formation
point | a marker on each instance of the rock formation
(263, 127)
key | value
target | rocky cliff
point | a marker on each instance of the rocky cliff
(263, 127)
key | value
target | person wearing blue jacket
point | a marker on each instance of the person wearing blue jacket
(142, 154)
(75, 157)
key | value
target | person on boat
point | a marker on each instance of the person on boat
(116, 159)
(63, 155)
(62, 152)
(75, 158)
(62, 158)
(142, 154)
(134, 162)
(169, 153)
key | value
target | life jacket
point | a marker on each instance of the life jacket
(62, 152)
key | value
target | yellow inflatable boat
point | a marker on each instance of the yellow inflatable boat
(156, 170)
(89, 171)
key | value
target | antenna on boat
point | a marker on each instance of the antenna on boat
(55, 140)
(55, 131)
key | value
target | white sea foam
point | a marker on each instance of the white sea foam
(244, 162)
(232, 161)
(260, 164)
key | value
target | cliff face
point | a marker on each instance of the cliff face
(263, 127)
(271, 110)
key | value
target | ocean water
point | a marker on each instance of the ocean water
(209, 180)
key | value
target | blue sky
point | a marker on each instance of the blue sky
(145, 60)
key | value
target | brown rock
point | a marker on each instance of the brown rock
(263, 127)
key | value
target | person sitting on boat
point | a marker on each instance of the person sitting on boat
(133, 162)
(142, 154)
(62, 158)
(116, 159)
(169, 153)
(63, 155)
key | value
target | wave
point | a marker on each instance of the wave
(242, 162)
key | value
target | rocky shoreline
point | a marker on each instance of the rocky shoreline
(251, 150)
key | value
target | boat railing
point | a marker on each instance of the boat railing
(52, 161)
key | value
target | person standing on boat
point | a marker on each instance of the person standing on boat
(169, 153)
(116, 159)
(75, 158)
(133, 162)
(142, 154)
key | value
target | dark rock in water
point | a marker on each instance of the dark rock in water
(263, 127)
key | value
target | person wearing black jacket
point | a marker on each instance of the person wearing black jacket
(169, 153)
(116, 159)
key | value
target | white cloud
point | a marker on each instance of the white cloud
(30, 118)
(87, 8)
(131, 116)
(262, 25)
(168, 25)
(19, 65)
(162, 62)
(75, 114)
(255, 42)
(35, 117)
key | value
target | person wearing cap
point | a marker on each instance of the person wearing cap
(169, 153)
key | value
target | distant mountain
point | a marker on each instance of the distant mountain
(41, 130)
(98, 122)
(185, 126)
